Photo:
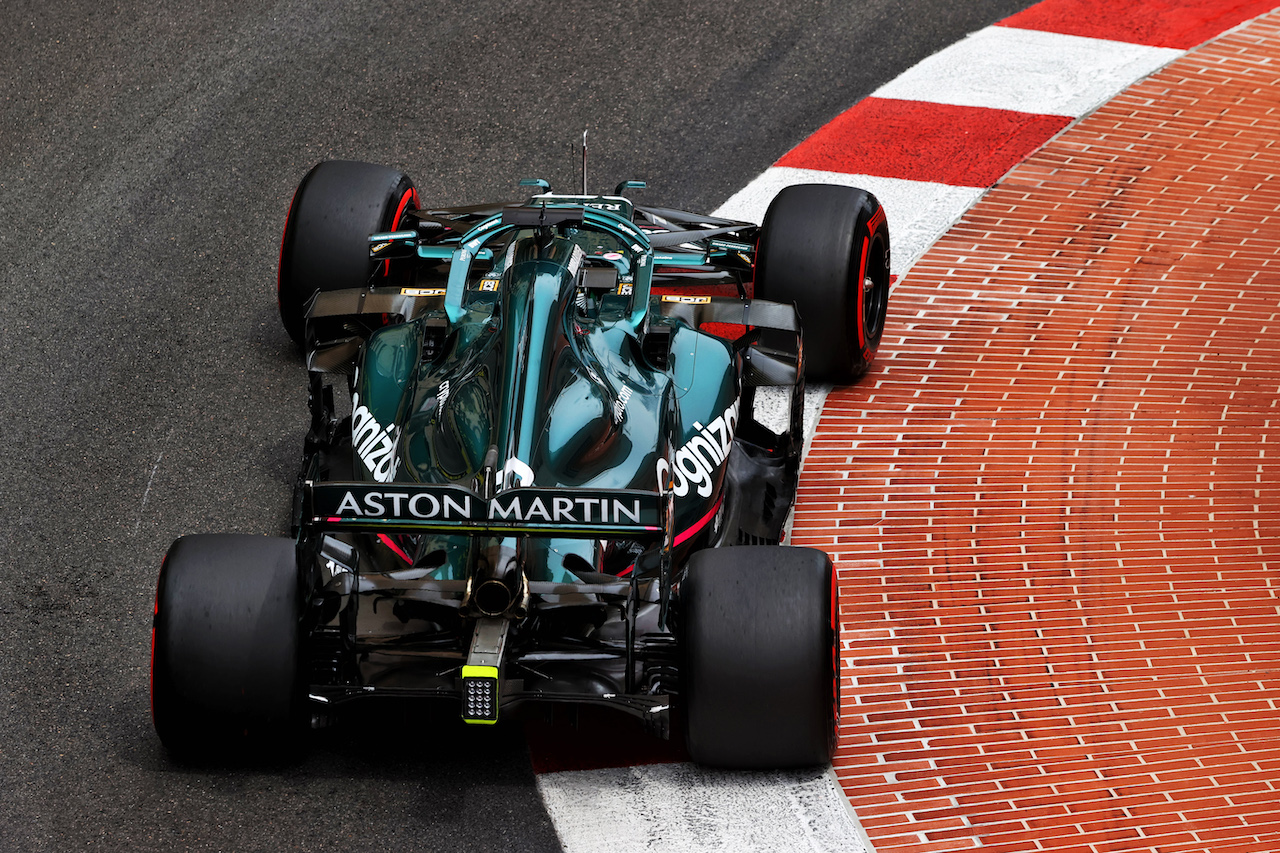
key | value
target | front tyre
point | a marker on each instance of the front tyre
(825, 248)
(225, 672)
(326, 234)
(761, 645)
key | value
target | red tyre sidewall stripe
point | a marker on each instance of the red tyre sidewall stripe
(835, 650)
(410, 195)
(862, 286)
(873, 223)
(155, 617)
(284, 235)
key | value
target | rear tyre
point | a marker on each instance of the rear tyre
(760, 650)
(826, 249)
(225, 674)
(326, 234)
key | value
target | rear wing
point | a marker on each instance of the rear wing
(414, 508)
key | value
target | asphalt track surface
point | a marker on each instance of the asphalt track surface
(147, 157)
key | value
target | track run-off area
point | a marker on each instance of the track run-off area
(1053, 501)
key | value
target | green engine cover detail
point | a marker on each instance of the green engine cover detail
(390, 363)
(563, 393)
(460, 427)
(707, 401)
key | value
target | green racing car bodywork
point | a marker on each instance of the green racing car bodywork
(552, 453)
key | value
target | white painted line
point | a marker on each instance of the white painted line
(683, 807)
(1028, 71)
(919, 212)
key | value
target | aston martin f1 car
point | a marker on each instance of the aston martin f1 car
(537, 471)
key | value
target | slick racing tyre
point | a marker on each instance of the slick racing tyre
(826, 249)
(225, 673)
(326, 234)
(760, 642)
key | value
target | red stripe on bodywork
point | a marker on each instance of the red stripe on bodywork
(387, 540)
(917, 141)
(701, 522)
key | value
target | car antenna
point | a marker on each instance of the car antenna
(584, 162)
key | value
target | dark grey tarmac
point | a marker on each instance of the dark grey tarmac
(148, 152)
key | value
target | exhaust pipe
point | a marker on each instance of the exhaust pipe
(492, 597)
(498, 587)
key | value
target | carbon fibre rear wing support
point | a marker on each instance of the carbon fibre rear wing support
(697, 310)
(772, 352)
(340, 321)
(766, 361)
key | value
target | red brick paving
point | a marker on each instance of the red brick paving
(1055, 503)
